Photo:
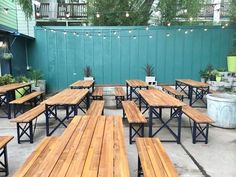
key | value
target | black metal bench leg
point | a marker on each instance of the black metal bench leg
(18, 133)
(6, 160)
(31, 132)
(207, 129)
(139, 168)
(130, 134)
(194, 132)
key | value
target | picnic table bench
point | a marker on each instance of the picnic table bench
(4, 140)
(83, 84)
(119, 96)
(173, 92)
(24, 123)
(7, 93)
(18, 104)
(153, 160)
(199, 120)
(96, 108)
(135, 119)
(98, 93)
(90, 146)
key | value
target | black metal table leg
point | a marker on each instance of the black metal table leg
(150, 121)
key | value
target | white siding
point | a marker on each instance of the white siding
(25, 26)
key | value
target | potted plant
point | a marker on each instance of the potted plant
(203, 75)
(88, 73)
(7, 56)
(231, 58)
(35, 76)
(149, 70)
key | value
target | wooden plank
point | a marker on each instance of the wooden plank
(98, 91)
(14, 86)
(4, 140)
(192, 83)
(67, 97)
(30, 114)
(106, 166)
(196, 115)
(91, 166)
(78, 161)
(96, 108)
(121, 167)
(65, 159)
(136, 83)
(119, 91)
(50, 161)
(172, 90)
(157, 98)
(83, 83)
(154, 159)
(43, 147)
(132, 112)
(26, 98)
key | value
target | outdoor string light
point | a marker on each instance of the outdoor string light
(97, 15)
(67, 14)
(127, 14)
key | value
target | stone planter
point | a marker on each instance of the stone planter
(222, 109)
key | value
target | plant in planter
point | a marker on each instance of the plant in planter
(88, 73)
(6, 79)
(203, 75)
(35, 76)
(149, 70)
(7, 56)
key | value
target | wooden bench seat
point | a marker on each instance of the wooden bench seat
(119, 96)
(97, 93)
(199, 119)
(24, 123)
(37, 156)
(18, 104)
(153, 160)
(4, 140)
(96, 108)
(173, 92)
(135, 118)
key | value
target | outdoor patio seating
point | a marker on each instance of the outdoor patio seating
(119, 96)
(96, 108)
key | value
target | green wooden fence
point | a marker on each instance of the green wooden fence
(175, 52)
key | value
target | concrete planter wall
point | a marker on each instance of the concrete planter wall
(222, 109)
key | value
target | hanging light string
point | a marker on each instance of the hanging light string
(119, 33)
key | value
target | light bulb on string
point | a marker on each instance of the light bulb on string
(74, 33)
(186, 32)
(147, 28)
(130, 31)
(67, 14)
(179, 29)
(87, 34)
(45, 29)
(98, 15)
(168, 24)
(65, 32)
(118, 37)
(104, 37)
(150, 37)
(226, 25)
(114, 32)
(191, 30)
(99, 34)
(77, 35)
(223, 27)
(205, 29)
(168, 35)
(37, 13)
(127, 14)
(90, 36)
(134, 37)
(191, 19)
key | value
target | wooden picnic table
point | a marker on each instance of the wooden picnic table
(155, 101)
(91, 146)
(70, 99)
(200, 89)
(132, 86)
(83, 84)
(7, 94)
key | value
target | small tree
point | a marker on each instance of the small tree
(119, 12)
(27, 7)
(232, 11)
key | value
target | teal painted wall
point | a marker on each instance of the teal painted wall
(61, 57)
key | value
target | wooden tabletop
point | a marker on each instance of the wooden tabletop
(67, 97)
(136, 83)
(157, 98)
(11, 87)
(193, 83)
(83, 83)
(4, 140)
(89, 147)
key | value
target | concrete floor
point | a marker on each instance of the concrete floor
(216, 159)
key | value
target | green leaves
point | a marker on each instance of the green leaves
(27, 7)
(113, 12)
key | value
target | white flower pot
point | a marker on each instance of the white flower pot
(150, 79)
(88, 78)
